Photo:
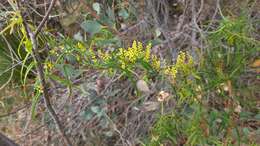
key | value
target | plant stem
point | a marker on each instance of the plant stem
(40, 71)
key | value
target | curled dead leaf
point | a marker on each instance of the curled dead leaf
(162, 96)
(142, 86)
(100, 84)
(238, 109)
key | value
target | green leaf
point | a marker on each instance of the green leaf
(246, 131)
(123, 13)
(29, 68)
(95, 109)
(106, 42)
(23, 66)
(107, 21)
(257, 117)
(96, 7)
(35, 100)
(111, 14)
(68, 71)
(87, 115)
(28, 46)
(60, 80)
(91, 26)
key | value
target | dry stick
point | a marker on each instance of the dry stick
(193, 33)
(14, 112)
(46, 95)
(193, 11)
(44, 18)
(39, 68)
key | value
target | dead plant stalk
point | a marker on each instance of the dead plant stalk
(40, 70)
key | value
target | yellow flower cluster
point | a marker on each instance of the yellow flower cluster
(122, 57)
(135, 52)
(171, 71)
(180, 59)
(81, 47)
(148, 52)
(38, 88)
(184, 64)
(93, 55)
(156, 63)
(104, 56)
(48, 65)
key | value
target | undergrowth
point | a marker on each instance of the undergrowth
(212, 101)
(217, 117)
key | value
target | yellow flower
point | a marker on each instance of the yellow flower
(131, 54)
(123, 65)
(78, 58)
(104, 56)
(184, 62)
(136, 52)
(180, 60)
(120, 54)
(140, 48)
(148, 52)
(48, 65)
(171, 71)
(134, 45)
(39, 89)
(155, 137)
(156, 64)
(81, 47)
(122, 57)
(93, 55)
(53, 52)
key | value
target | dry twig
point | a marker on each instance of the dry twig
(40, 69)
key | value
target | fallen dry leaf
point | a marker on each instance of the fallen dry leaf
(162, 95)
(256, 63)
(142, 86)
(238, 109)
(100, 84)
(150, 106)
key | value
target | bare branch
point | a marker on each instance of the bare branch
(5, 141)
(40, 70)
(45, 18)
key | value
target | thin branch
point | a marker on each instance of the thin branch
(193, 11)
(40, 71)
(14, 112)
(5, 141)
(38, 29)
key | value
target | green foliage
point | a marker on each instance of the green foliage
(210, 120)
(230, 49)
(91, 26)
(5, 64)
(193, 125)
(16, 63)
(212, 107)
